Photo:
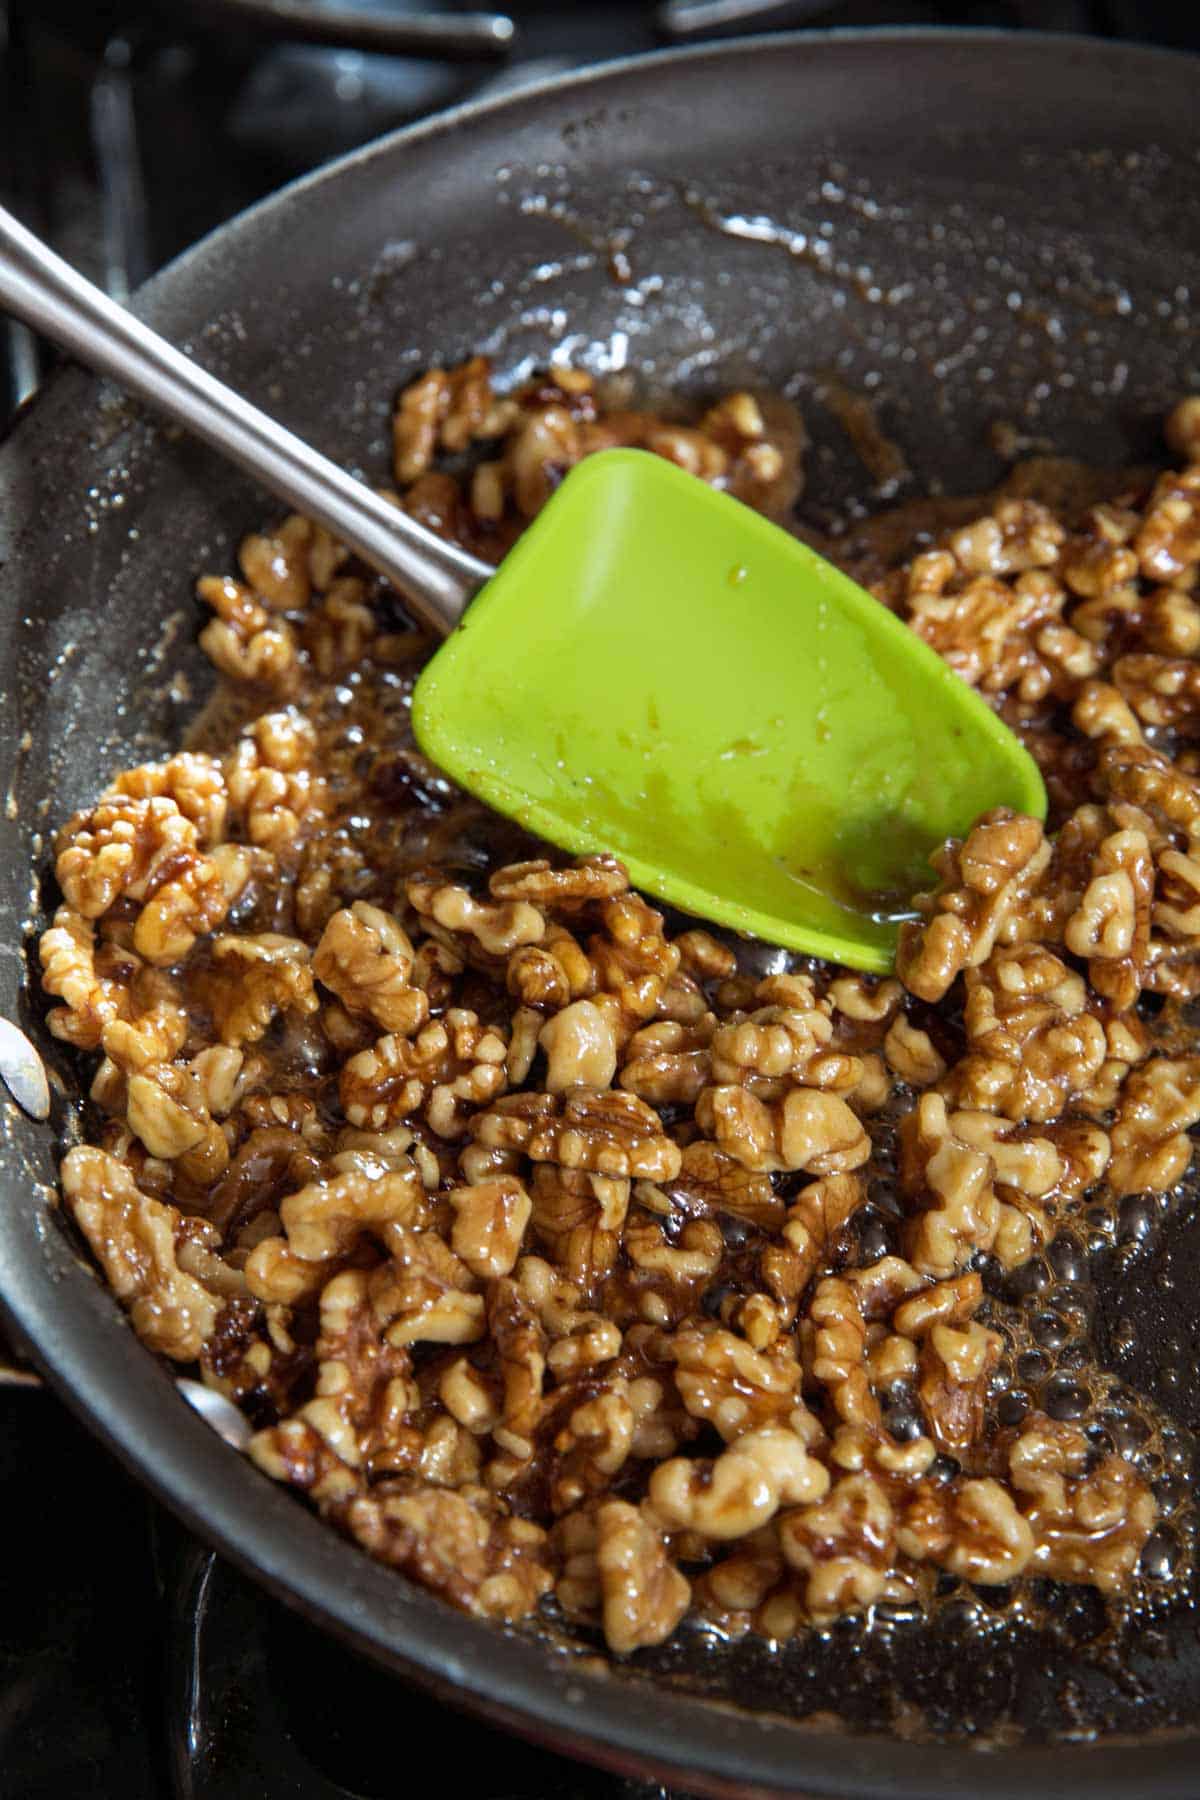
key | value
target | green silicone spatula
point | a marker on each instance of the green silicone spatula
(658, 671)
(655, 670)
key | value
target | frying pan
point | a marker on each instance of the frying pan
(975, 230)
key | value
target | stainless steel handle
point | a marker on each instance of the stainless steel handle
(53, 298)
(465, 36)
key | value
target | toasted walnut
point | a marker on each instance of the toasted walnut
(591, 878)
(194, 782)
(956, 1366)
(243, 641)
(463, 1545)
(711, 1181)
(725, 1382)
(843, 1545)
(1168, 540)
(254, 979)
(631, 958)
(489, 1223)
(276, 565)
(807, 1129)
(323, 1221)
(273, 792)
(608, 1133)
(497, 928)
(1157, 1106)
(580, 1046)
(742, 1488)
(616, 1563)
(1090, 1524)
(426, 1293)
(353, 1063)
(668, 1063)
(147, 850)
(962, 1213)
(452, 1064)
(166, 1110)
(366, 959)
(974, 1529)
(1033, 1042)
(815, 1217)
(985, 882)
(135, 1240)
(93, 985)
(578, 1216)
(911, 1053)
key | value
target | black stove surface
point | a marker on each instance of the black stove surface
(133, 1662)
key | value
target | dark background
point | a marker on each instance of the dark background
(132, 1662)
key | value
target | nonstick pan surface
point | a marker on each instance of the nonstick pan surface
(977, 230)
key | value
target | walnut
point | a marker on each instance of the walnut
(955, 1181)
(1168, 541)
(813, 1220)
(92, 984)
(366, 958)
(489, 1223)
(709, 1180)
(323, 1221)
(275, 795)
(276, 564)
(426, 1293)
(452, 1064)
(725, 1382)
(147, 850)
(550, 974)
(464, 1545)
(243, 641)
(1006, 637)
(520, 1340)
(843, 1544)
(362, 1406)
(580, 1046)
(254, 979)
(631, 958)
(668, 1063)
(985, 883)
(956, 1366)
(1033, 1043)
(194, 782)
(134, 1239)
(783, 1045)
(739, 1490)
(165, 1108)
(973, 1529)
(497, 928)
(807, 1129)
(579, 1217)
(590, 878)
(608, 1133)
(1161, 690)
(615, 1564)
(911, 1053)
(449, 409)
(1158, 1104)
(352, 1066)
(1089, 1523)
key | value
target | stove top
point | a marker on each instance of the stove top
(132, 1660)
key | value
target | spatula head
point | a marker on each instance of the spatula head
(659, 672)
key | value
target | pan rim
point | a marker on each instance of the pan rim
(619, 1731)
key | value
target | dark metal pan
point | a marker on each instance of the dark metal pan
(979, 230)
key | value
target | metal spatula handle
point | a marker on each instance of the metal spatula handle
(56, 300)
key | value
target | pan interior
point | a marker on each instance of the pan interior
(1015, 264)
